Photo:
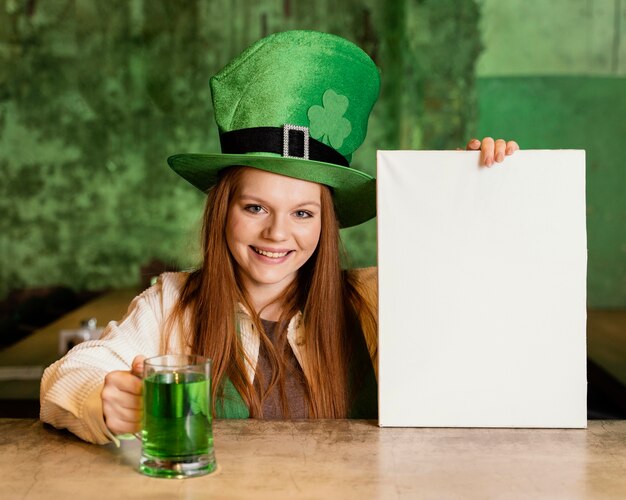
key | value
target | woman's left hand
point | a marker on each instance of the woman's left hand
(492, 150)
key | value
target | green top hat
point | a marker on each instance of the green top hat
(295, 103)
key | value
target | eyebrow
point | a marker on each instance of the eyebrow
(261, 201)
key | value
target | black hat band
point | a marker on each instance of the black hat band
(290, 141)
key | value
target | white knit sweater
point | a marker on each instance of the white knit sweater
(71, 388)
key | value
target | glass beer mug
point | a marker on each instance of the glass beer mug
(177, 430)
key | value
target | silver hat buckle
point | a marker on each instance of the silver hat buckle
(305, 130)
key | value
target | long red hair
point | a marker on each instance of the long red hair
(321, 291)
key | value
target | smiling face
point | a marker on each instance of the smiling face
(273, 228)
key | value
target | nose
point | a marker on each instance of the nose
(276, 228)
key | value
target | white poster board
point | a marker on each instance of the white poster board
(482, 289)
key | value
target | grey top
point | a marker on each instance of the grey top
(295, 389)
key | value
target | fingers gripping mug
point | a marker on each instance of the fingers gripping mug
(177, 432)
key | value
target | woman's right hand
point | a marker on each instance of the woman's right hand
(492, 150)
(122, 398)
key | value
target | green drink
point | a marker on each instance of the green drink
(177, 432)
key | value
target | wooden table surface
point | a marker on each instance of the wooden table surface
(329, 459)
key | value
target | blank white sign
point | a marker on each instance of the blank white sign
(482, 289)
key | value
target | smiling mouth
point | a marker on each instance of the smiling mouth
(271, 255)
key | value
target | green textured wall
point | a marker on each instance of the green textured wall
(95, 95)
(559, 37)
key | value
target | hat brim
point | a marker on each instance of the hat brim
(354, 192)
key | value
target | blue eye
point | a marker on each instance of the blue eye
(255, 209)
(303, 214)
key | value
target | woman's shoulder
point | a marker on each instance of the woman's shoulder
(365, 282)
(165, 291)
(363, 274)
(172, 282)
(363, 278)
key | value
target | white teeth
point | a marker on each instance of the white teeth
(273, 255)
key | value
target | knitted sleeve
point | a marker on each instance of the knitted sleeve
(71, 388)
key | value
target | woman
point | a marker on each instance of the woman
(291, 335)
